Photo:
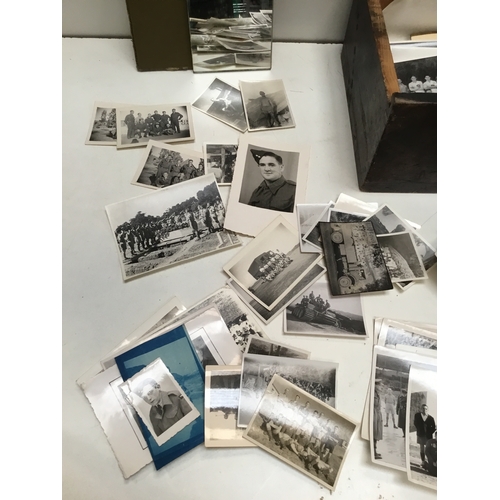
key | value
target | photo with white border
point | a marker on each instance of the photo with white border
(272, 348)
(220, 160)
(102, 130)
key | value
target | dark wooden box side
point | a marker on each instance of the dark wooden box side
(406, 157)
(367, 96)
(160, 34)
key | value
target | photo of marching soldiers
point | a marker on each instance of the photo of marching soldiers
(220, 160)
(164, 123)
(172, 225)
(165, 165)
(302, 431)
(318, 312)
(103, 127)
(417, 76)
(223, 31)
(354, 259)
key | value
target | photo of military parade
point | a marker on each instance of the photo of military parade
(172, 225)
(103, 126)
(164, 165)
(302, 431)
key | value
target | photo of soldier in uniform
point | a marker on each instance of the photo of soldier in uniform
(266, 105)
(160, 401)
(302, 431)
(220, 160)
(223, 102)
(103, 126)
(271, 264)
(168, 226)
(136, 125)
(163, 165)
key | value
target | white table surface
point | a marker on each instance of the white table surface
(99, 309)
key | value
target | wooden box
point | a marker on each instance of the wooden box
(394, 134)
(160, 34)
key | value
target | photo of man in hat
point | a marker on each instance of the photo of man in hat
(275, 192)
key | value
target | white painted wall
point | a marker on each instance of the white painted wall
(295, 20)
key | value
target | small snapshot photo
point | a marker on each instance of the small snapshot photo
(270, 265)
(271, 348)
(163, 122)
(313, 235)
(385, 221)
(103, 125)
(308, 217)
(205, 349)
(160, 401)
(354, 259)
(266, 105)
(222, 395)
(269, 178)
(223, 102)
(302, 431)
(406, 337)
(401, 257)
(318, 312)
(421, 423)
(168, 226)
(163, 165)
(318, 378)
(220, 160)
(417, 75)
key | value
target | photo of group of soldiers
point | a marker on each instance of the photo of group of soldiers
(153, 125)
(276, 262)
(146, 232)
(416, 85)
(318, 303)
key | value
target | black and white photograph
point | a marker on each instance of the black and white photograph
(272, 348)
(168, 226)
(235, 313)
(270, 178)
(137, 124)
(222, 395)
(318, 378)
(347, 203)
(340, 216)
(401, 257)
(388, 404)
(266, 105)
(427, 253)
(266, 315)
(354, 259)
(421, 427)
(313, 235)
(270, 265)
(205, 349)
(225, 30)
(302, 431)
(308, 217)
(318, 312)
(103, 125)
(220, 160)
(150, 391)
(385, 221)
(396, 335)
(223, 102)
(163, 165)
(417, 75)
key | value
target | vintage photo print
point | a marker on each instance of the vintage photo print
(236, 314)
(171, 225)
(266, 105)
(308, 217)
(354, 259)
(417, 76)
(302, 431)
(163, 165)
(272, 348)
(160, 401)
(421, 427)
(271, 264)
(118, 420)
(388, 402)
(396, 335)
(313, 235)
(318, 378)
(318, 312)
(401, 257)
(269, 179)
(102, 129)
(266, 315)
(346, 203)
(385, 221)
(335, 215)
(230, 36)
(222, 394)
(223, 102)
(137, 124)
(220, 160)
